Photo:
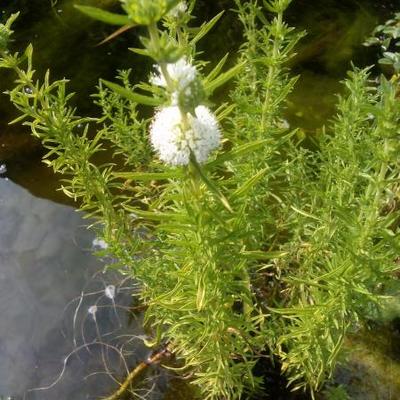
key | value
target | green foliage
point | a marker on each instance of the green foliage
(387, 37)
(267, 246)
(104, 16)
(122, 126)
(6, 32)
(146, 12)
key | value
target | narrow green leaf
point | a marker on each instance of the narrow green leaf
(338, 346)
(244, 189)
(335, 272)
(148, 176)
(262, 17)
(308, 282)
(217, 69)
(304, 213)
(200, 298)
(29, 54)
(264, 255)
(132, 96)
(104, 16)
(205, 28)
(155, 216)
(236, 152)
(18, 119)
(209, 183)
(297, 311)
(138, 50)
(285, 91)
(12, 19)
(223, 111)
(209, 87)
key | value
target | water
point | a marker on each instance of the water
(49, 283)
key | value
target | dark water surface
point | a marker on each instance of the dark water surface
(45, 251)
(66, 41)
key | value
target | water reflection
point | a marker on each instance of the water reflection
(44, 262)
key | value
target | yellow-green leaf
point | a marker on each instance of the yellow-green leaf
(205, 28)
(249, 184)
(104, 16)
(264, 255)
(236, 152)
(131, 95)
(210, 86)
(148, 176)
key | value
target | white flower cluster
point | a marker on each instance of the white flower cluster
(175, 131)
(182, 75)
(174, 142)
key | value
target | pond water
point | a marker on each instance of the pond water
(47, 326)
(64, 323)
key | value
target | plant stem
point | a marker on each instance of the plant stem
(272, 70)
(154, 359)
(155, 38)
(374, 209)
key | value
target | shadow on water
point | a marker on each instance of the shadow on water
(45, 259)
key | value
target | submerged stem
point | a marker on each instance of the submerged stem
(154, 359)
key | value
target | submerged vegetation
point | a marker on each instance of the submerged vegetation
(246, 243)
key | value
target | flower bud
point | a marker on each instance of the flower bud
(187, 90)
(147, 12)
(178, 11)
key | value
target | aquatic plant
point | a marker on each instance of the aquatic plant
(246, 244)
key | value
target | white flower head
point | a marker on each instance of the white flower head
(187, 90)
(178, 10)
(181, 73)
(173, 142)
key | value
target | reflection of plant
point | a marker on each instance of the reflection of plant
(387, 36)
(336, 393)
(241, 239)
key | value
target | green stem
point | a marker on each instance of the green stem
(373, 211)
(155, 38)
(272, 71)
